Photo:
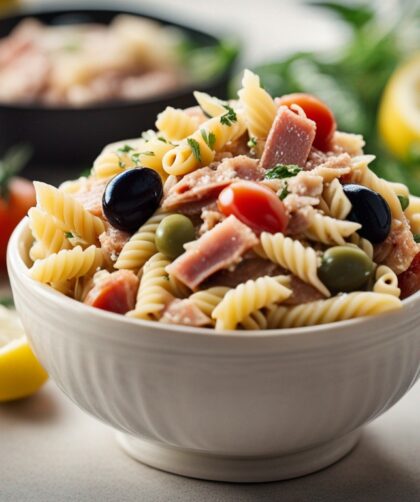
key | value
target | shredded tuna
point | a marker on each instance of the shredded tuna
(302, 292)
(114, 292)
(248, 268)
(211, 217)
(184, 312)
(333, 160)
(295, 202)
(300, 218)
(217, 249)
(112, 241)
(204, 185)
(398, 249)
(91, 196)
(306, 185)
(289, 140)
(346, 142)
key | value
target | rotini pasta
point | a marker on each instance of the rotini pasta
(111, 163)
(386, 281)
(259, 107)
(176, 124)
(362, 243)
(413, 214)
(292, 255)
(154, 291)
(141, 245)
(71, 213)
(329, 230)
(247, 298)
(67, 264)
(211, 106)
(338, 308)
(335, 203)
(48, 232)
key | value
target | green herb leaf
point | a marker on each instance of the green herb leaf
(404, 201)
(148, 153)
(160, 138)
(281, 171)
(252, 142)
(13, 161)
(355, 15)
(284, 191)
(135, 157)
(69, 235)
(209, 138)
(125, 149)
(417, 237)
(195, 147)
(229, 117)
(7, 302)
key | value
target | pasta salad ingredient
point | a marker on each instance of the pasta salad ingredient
(172, 233)
(345, 268)
(131, 197)
(254, 205)
(371, 210)
(317, 111)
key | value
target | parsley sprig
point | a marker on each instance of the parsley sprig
(229, 117)
(209, 138)
(284, 191)
(281, 171)
(195, 147)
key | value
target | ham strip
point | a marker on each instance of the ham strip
(202, 186)
(91, 196)
(289, 140)
(217, 249)
(184, 312)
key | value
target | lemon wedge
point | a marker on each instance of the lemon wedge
(21, 374)
(399, 111)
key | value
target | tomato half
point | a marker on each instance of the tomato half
(256, 206)
(409, 281)
(316, 110)
(21, 197)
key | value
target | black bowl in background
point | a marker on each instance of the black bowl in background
(65, 136)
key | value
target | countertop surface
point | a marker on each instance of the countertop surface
(52, 451)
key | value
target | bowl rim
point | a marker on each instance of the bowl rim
(123, 8)
(15, 261)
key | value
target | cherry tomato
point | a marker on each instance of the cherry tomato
(317, 111)
(409, 281)
(20, 198)
(256, 206)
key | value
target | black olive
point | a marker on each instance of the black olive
(132, 197)
(371, 210)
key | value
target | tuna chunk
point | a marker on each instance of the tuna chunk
(217, 249)
(184, 312)
(204, 185)
(289, 140)
(91, 196)
(398, 249)
(306, 185)
(302, 293)
(112, 241)
(116, 292)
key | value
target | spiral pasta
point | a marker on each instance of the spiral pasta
(154, 291)
(386, 281)
(292, 255)
(74, 217)
(199, 149)
(246, 298)
(337, 308)
(362, 243)
(110, 163)
(141, 245)
(67, 264)
(48, 232)
(329, 230)
(413, 214)
(330, 173)
(210, 105)
(208, 299)
(176, 124)
(259, 107)
(335, 203)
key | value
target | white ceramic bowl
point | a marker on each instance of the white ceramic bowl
(246, 406)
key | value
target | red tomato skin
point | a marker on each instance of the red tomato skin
(256, 206)
(21, 198)
(409, 281)
(319, 112)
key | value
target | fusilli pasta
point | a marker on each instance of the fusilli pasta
(337, 205)
(386, 281)
(329, 230)
(211, 106)
(48, 232)
(176, 124)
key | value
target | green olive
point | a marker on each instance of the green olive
(345, 268)
(172, 233)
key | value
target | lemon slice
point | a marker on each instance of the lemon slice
(399, 112)
(20, 372)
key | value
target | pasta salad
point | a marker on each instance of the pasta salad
(249, 214)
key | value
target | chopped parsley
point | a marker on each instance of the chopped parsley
(125, 149)
(417, 237)
(209, 138)
(121, 164)
(281, 171)
(7, 302)
(135, 157)
(252, 142)
(404, 201)
(284, 191)
(69, 235)
(229, 117)
(160, 138)
(148, 153)
(195, 147)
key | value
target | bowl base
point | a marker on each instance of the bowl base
(237, 469)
